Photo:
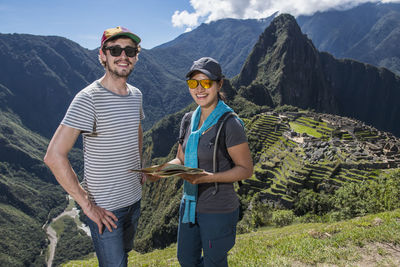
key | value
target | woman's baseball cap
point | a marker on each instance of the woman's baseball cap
(112, 32)
(208, 66)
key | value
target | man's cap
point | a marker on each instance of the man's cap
(208, 66)
(118, 31)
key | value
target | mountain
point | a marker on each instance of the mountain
(296, 154)
(29, 196)
(43, 74)
(368, 33)
(51, 70)
(285, 68)
(228, 40)
(295, 151)
(160, 72)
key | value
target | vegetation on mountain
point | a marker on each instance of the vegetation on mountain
(23, 241)
(44, 74)
(73, 243)
(351, 200)
(29, 196)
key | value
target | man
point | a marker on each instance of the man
(107, 113)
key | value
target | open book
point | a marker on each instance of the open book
(166, 170)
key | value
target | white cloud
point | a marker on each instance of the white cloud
(184, 18)
(211, 10)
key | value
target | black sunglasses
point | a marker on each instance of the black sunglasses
(116, 50)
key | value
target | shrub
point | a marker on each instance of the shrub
(385, 193)
(358, 199)
(312, 202)
(282, 217)
(351, 200)
(256, 214)
(260, 214)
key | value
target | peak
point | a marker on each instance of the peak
(280, 43)
(284, 23)
(284, 19)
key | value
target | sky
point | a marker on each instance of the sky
(155, 21)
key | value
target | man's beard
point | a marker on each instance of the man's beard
(119, 74)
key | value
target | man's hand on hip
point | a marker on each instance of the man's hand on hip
(101, 217)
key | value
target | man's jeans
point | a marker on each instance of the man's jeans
(112, 247)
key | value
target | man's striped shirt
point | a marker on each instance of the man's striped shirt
(109, 123)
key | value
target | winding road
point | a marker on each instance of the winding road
(52, 235)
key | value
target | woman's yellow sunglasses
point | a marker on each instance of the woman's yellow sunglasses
(204, 83)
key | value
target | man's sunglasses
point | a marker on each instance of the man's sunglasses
(116, 50)
(204, 83)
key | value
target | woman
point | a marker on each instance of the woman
(210, 207)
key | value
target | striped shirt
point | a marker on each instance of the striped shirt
(109, 123)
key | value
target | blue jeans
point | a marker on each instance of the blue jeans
(112, 247)
(213, 233)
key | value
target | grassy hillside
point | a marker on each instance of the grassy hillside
(365, 241)
(29, 195)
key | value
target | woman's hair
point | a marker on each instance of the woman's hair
(103, 63)
(221, 95)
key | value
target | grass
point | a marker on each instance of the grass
(299, 128)
(372, 240)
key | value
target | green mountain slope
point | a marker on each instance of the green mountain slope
(29, 196)
(43, 74)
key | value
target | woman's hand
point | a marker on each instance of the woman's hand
(198, 178)
(154, 177)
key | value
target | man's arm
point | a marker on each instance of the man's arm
(140, 141)
(56, 159)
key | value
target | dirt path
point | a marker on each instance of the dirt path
(52, 235)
